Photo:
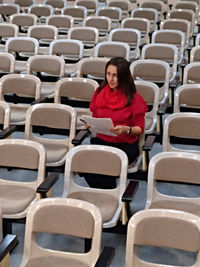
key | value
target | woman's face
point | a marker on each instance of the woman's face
(111, 76)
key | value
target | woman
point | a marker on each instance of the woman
(117, 98)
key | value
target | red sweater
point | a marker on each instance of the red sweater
(132, 115)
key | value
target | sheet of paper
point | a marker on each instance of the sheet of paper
(99, 125)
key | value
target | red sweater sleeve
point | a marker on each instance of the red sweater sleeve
(139, 108)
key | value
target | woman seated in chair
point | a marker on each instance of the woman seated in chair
(117, 98)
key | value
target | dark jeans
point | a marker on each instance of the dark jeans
(106, 181)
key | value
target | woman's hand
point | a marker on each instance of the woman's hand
(120, 129)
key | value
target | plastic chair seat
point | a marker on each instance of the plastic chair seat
(102, 201)
(15, 198)
(55, 152)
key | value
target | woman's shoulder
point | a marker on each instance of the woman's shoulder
(138, 102)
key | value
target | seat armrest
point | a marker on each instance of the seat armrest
(78, 139)
(130, 191)
(7, 244)
(47, 184)
(105, 257)
(42, 99)
(148, 144)
(8, 131)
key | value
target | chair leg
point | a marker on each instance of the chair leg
(88, 243)
(7, 227)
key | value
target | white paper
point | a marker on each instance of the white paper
(99, 125)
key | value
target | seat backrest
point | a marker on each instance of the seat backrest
(147, 13)
(24, 3)
(130, 36)
(56, 4)
(23, 19)
(114, 13)
(4, 114)
(8, 30)
(188, 5)
(22, 44)
(100, 160)
(177, 24)
(191, 73)
(187, 96)
(145, 228)
(60, 21)
(102, 23)
(9, 9)
(62, 216)
(42, 11)
(182, 125)
(43, 32)
(93, 66)
(111, 49)
(46, 63)
(195, 54)
(174, 37)
(69, 48)
(25, 154)
(141, 24)
(186, 14)
(84, 34)
(77, 12)
(157, 5)
(125, 5)
(91, 5)
(152, 70)
(7, 62)
(54, 116)
(165, 52)
(150, 93)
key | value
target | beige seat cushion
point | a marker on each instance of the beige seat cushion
(55, 262)
(15, 199)
(55, 152)
(107, 204)
(177, 205)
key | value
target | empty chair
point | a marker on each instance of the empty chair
(114, 13)
(97, 159)
(71, 50)
(152, 70)
(50, 118)
(186, 14)
(111, 49)
(176, 168)
(157, 5)
(180, 25)
(22, 48)
(77, 12)
(49, 68)
(125, 5)
(63, 214)
(130, 36)
(91, 5)
(77, 92)
(173, 37)
(7, 30)
(147, 13)
(195, 54)
(18, 193)
(191, 73)
(23, 21)
(19, 88)
(102, 23)
(88, 35)
(150, 93)
(188, 5)
(62, 22)
(7, 63)
(165, 52)
(24, 4)
(168, 230)
(44, 34)
(41, 11)
(92, 67)
(8, 9)
(56, 4)
(187, 98)
(141, 24)
(182, 127)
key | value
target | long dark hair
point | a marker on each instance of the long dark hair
(125, 79)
